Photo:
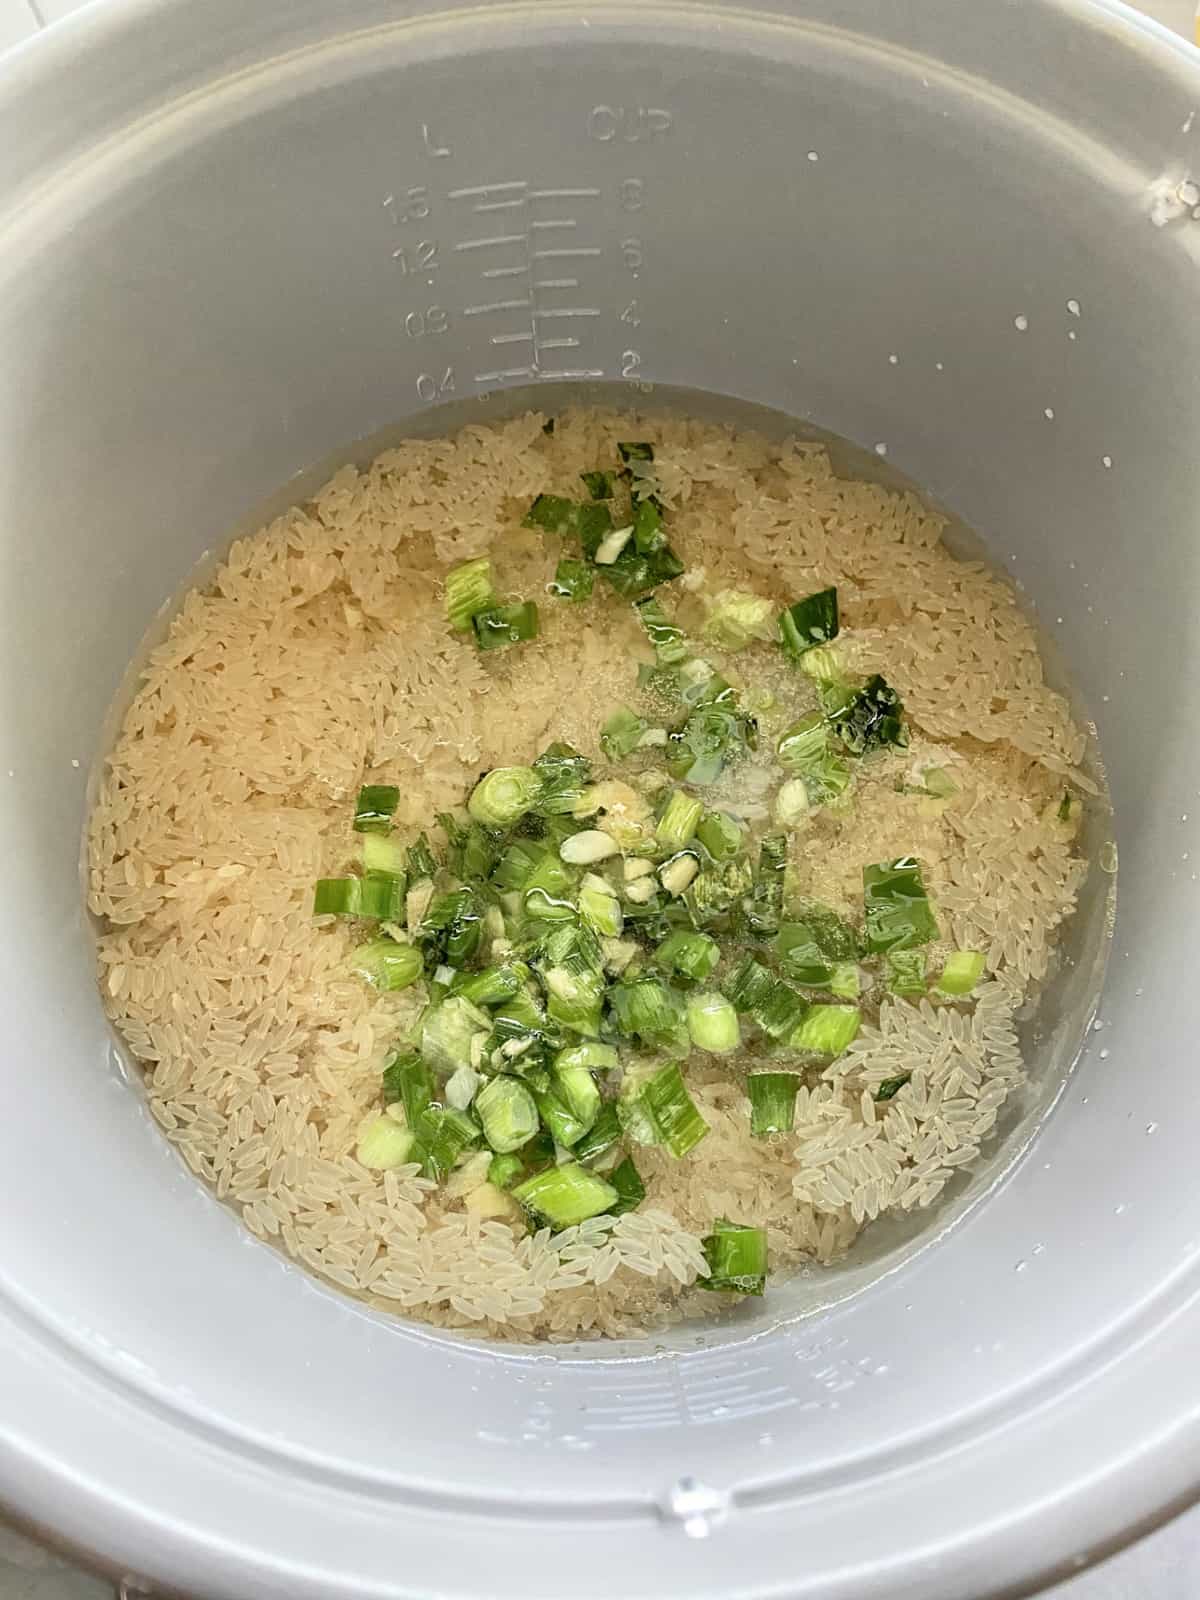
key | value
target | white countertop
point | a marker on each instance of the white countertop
(1164, 1566)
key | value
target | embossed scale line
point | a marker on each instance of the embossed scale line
(568, 311)
(553, 222)
(504, 372)
(481, 189)
(500, 205)
(489, 244)
(565, 252)
(553, 344)
(513, 338)
(505, 272)
(564, 194)
(556, 283)
(573, 372)
(497, 305)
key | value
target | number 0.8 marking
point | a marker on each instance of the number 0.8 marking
(418, 323)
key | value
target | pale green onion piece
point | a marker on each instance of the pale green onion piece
(610, 547)
(573, 580)
(604, 1133)
(600, 908)
(827, 1030)
(337, 897)
(384, 853)
(446, 1134)
(962, 971)
(577, 1090)
(647, 1009)
(505, 625)
(720, 834)
(382, 897)
(737, 1259)
(735, 618)
(504, 1170)
(792, 803)
(823, 666)
(939, 783)
(713, 1023)
(567, 1195)
(622, 734)
(574, 998)
(386, 964)
(803, 743)
(677, 825)
(585, 849)
(547, 891)
(384, 1144)
(669, 641)
(507, 1114)
(589, 1053)
(461, 1087)
(468, 592)
(677, 874)
(906, 972)
(845, 980)
(772, 1102)
(491, 987)
(504, 795)
(375, 807)
(673, 1111)
(899, 916)
(447, 1032)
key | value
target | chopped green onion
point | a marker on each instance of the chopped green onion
(547, 890)
(577, 1089)
(720, 834)
(589, 1054)
(735, 618)
(809, 622)
(452, 928)
(791, 804)
(566, 1195)
(765, 904)
(871, 719)
(490, 987)
(552, 513)
(673, 1111)
(461, 1086)
(603, 1134)
(633, 572)
(940, 784)
(627, 1181)
(407, 1079)
(678, 822)
(600, 485)
(564, 775)
(827, 1030)
(962, 971)
(384, 1145)
(507, 1114)
(594, 524)
(713, 735)
(803, 743)
(823, 665)
(648, 532)
(382, 852)
(715, 896)
(801, 956)
(338, 897)
(504, 795)
(469, 592)
(622, 733)
(906, 972)
(600, 908)
(574, 998)
(645, 1008)
(737, 1259)
(837, 939)
(588, 847)
(749, 987)
(419, 859)
(385, 964)
(844, 980)
(713, 1023)
(772, 1102)
(517, 864)
(504, 625)
(669, 641)
(891, 1087)
(472, 851)
(611, 546)
(636, 451)
(445, 1134)
(448, 1034)
(694, 955)
(782, 1011)
(376, 806)
(382, 897)
(676, 874)
(572, 580)
(899, 916)
(503, 1171)
(566, 1128)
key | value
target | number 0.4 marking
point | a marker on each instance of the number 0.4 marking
(430, 387)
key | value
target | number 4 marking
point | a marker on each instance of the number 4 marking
(632, 315)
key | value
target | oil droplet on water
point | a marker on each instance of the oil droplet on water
(698, 1506)
(1021, 323)
(1021, 1266)
(1152, 1127)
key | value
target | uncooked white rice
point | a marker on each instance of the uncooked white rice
(318, 657)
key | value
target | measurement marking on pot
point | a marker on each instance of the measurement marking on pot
(564, 194)
(505, 272)
(567, 253)
(496, 305)
(568, 311)
(557, 283)
(490, 244)
(485, 189)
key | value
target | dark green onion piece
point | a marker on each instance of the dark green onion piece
(505, 625)
(737, 1259)
(420, 860)
(691, 954)
(634, 573)
(716, 896)
(384, 964)
(552, 513)
(899, 916)
(800, 955)
(749, 986)
(622, 733)
(472, 850)
(446, 1134)
(809, 622)
(548, 889)
(337, 897)
(564, 775)
(504, 1171)
(382, 897)
(601, 1136)
(567, 1195)
(872, 719)
(891, 1087)
(673, 1111)
(594, 524)
(516, 865)
(468, 592)
(452, 928)
(772, 1102)
(720, 834)
(765, 904)
(573, 580)
(648, 535)
(837, 939)
(906, 972)
(488, 988)
(669, 641)
(407, 1078)
(507, 1114)
(782, 1011)
(627, 1181)
(600, 485)
(376, 806)
(647, 1009)
(635, 451)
